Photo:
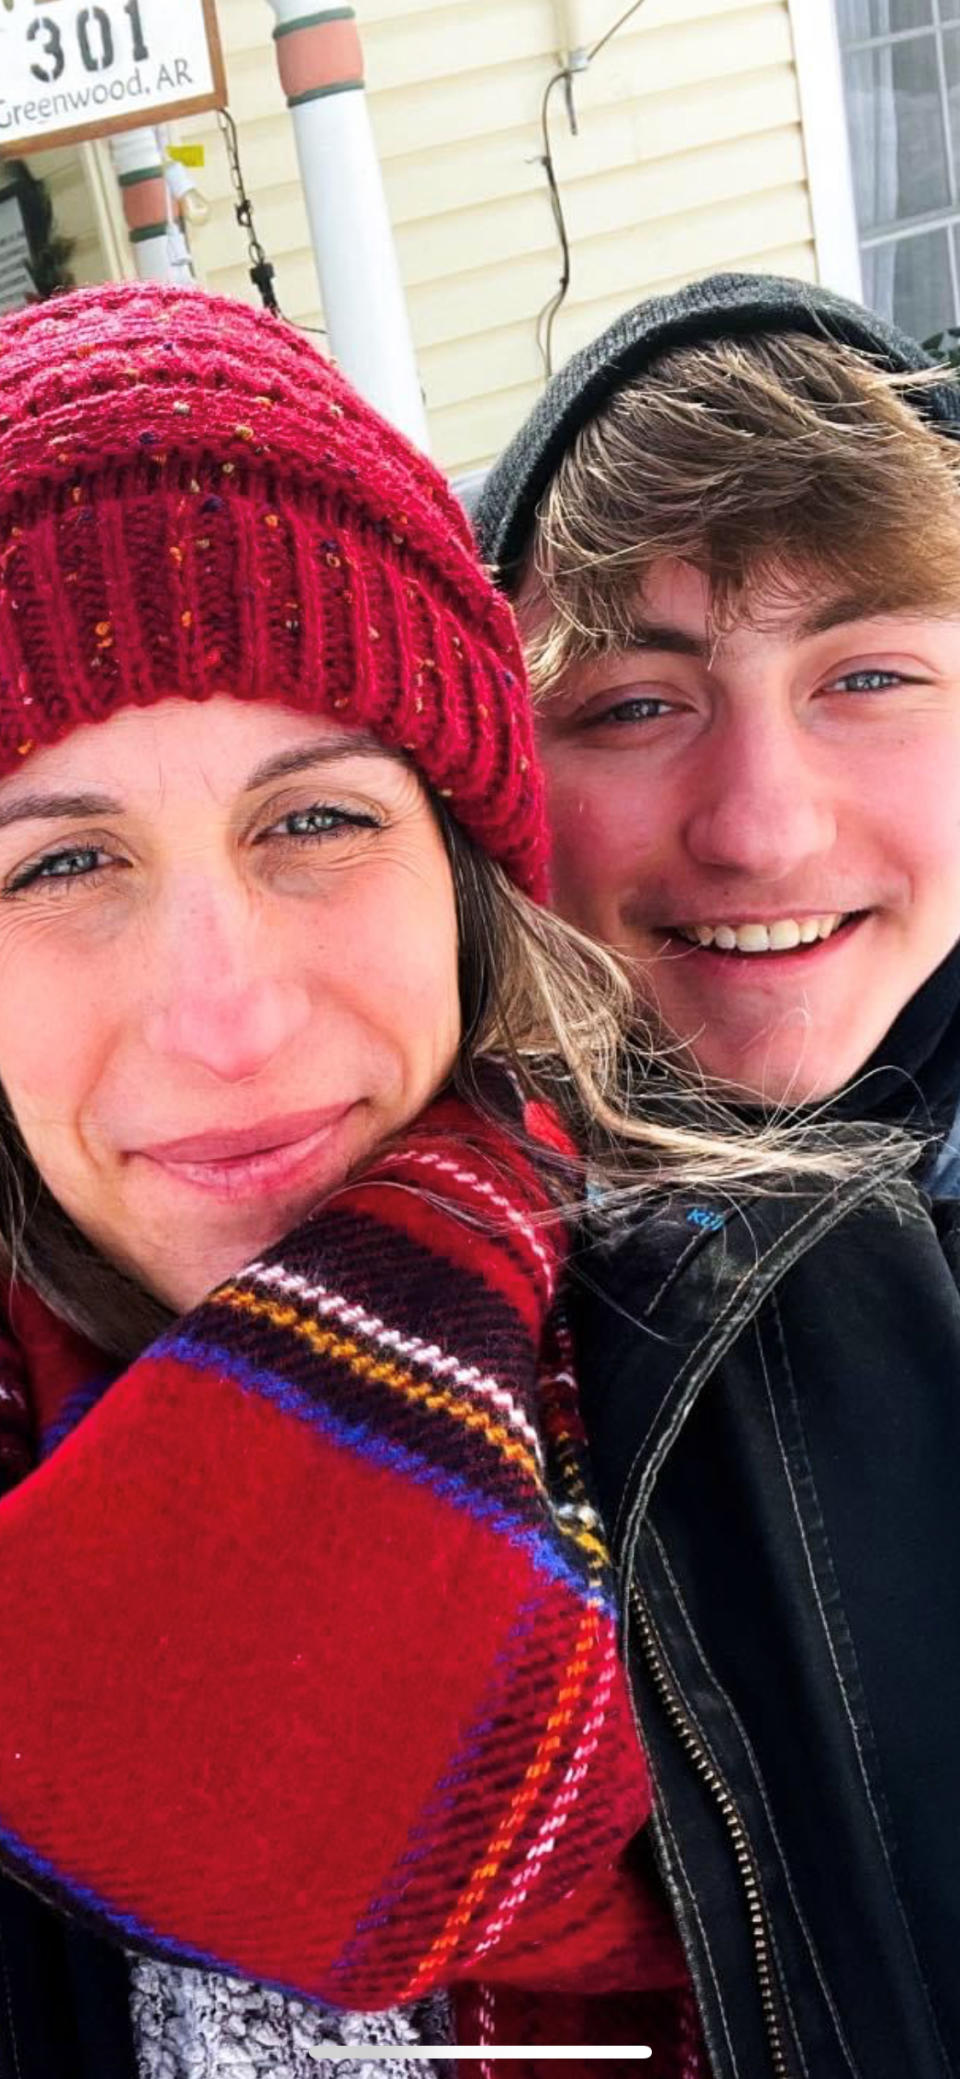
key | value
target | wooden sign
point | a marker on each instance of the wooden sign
(68, 71)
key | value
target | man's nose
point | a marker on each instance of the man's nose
(218, 1002)
(760, 807)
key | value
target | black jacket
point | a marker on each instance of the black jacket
(773, 1403)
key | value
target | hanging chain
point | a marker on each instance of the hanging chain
(261, 269)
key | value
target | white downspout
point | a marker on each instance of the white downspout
(572, 37)
(160, 251)
(320, 61)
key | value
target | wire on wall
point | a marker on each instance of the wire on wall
(565, 77)
(609, 34)
(546, 319)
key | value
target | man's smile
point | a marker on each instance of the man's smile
(772, 935)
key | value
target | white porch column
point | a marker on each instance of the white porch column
(321, 70)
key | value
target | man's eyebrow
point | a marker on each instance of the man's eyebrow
(662, 635)
(838, 612)
(300, 757)
(828, 614)
(49, 807)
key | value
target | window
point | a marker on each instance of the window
(901, 72)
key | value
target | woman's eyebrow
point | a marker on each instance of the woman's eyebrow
(302, 756)
(48, 807)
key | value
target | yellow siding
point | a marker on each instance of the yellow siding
(689, 158)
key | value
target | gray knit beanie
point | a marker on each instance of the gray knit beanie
(726, 306)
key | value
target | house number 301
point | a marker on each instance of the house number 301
(94, 33)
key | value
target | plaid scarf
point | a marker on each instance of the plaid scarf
(321, 1684)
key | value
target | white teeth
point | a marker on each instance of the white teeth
(784, 935)
(752, 938)
(780, 936)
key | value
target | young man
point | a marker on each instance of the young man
(732, 530)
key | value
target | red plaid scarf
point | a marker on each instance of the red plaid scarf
(322, 1682)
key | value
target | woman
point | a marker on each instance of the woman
(309, 1671)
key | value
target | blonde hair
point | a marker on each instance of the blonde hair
(753, 460)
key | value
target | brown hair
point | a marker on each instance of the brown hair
(757, 461)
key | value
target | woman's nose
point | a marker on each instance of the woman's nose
(218, 1002)
(759, 809)
(233, 1034)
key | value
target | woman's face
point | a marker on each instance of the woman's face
(228, 970)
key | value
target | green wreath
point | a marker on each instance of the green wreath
(49, 253)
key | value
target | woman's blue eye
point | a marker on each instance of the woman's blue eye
(57, 867)
(322, 821)
(87, 862)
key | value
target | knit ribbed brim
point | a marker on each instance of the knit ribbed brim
(726, 306)
(192, 501)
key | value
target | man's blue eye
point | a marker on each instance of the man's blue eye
(869, 681)
(642, 708)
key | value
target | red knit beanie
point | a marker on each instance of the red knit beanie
(192, 502)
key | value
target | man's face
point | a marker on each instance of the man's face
(768, 824)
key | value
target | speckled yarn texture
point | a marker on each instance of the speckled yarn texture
(193, 501)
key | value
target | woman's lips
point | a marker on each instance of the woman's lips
(261, 1159)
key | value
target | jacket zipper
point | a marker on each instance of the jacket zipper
(745, 1860)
